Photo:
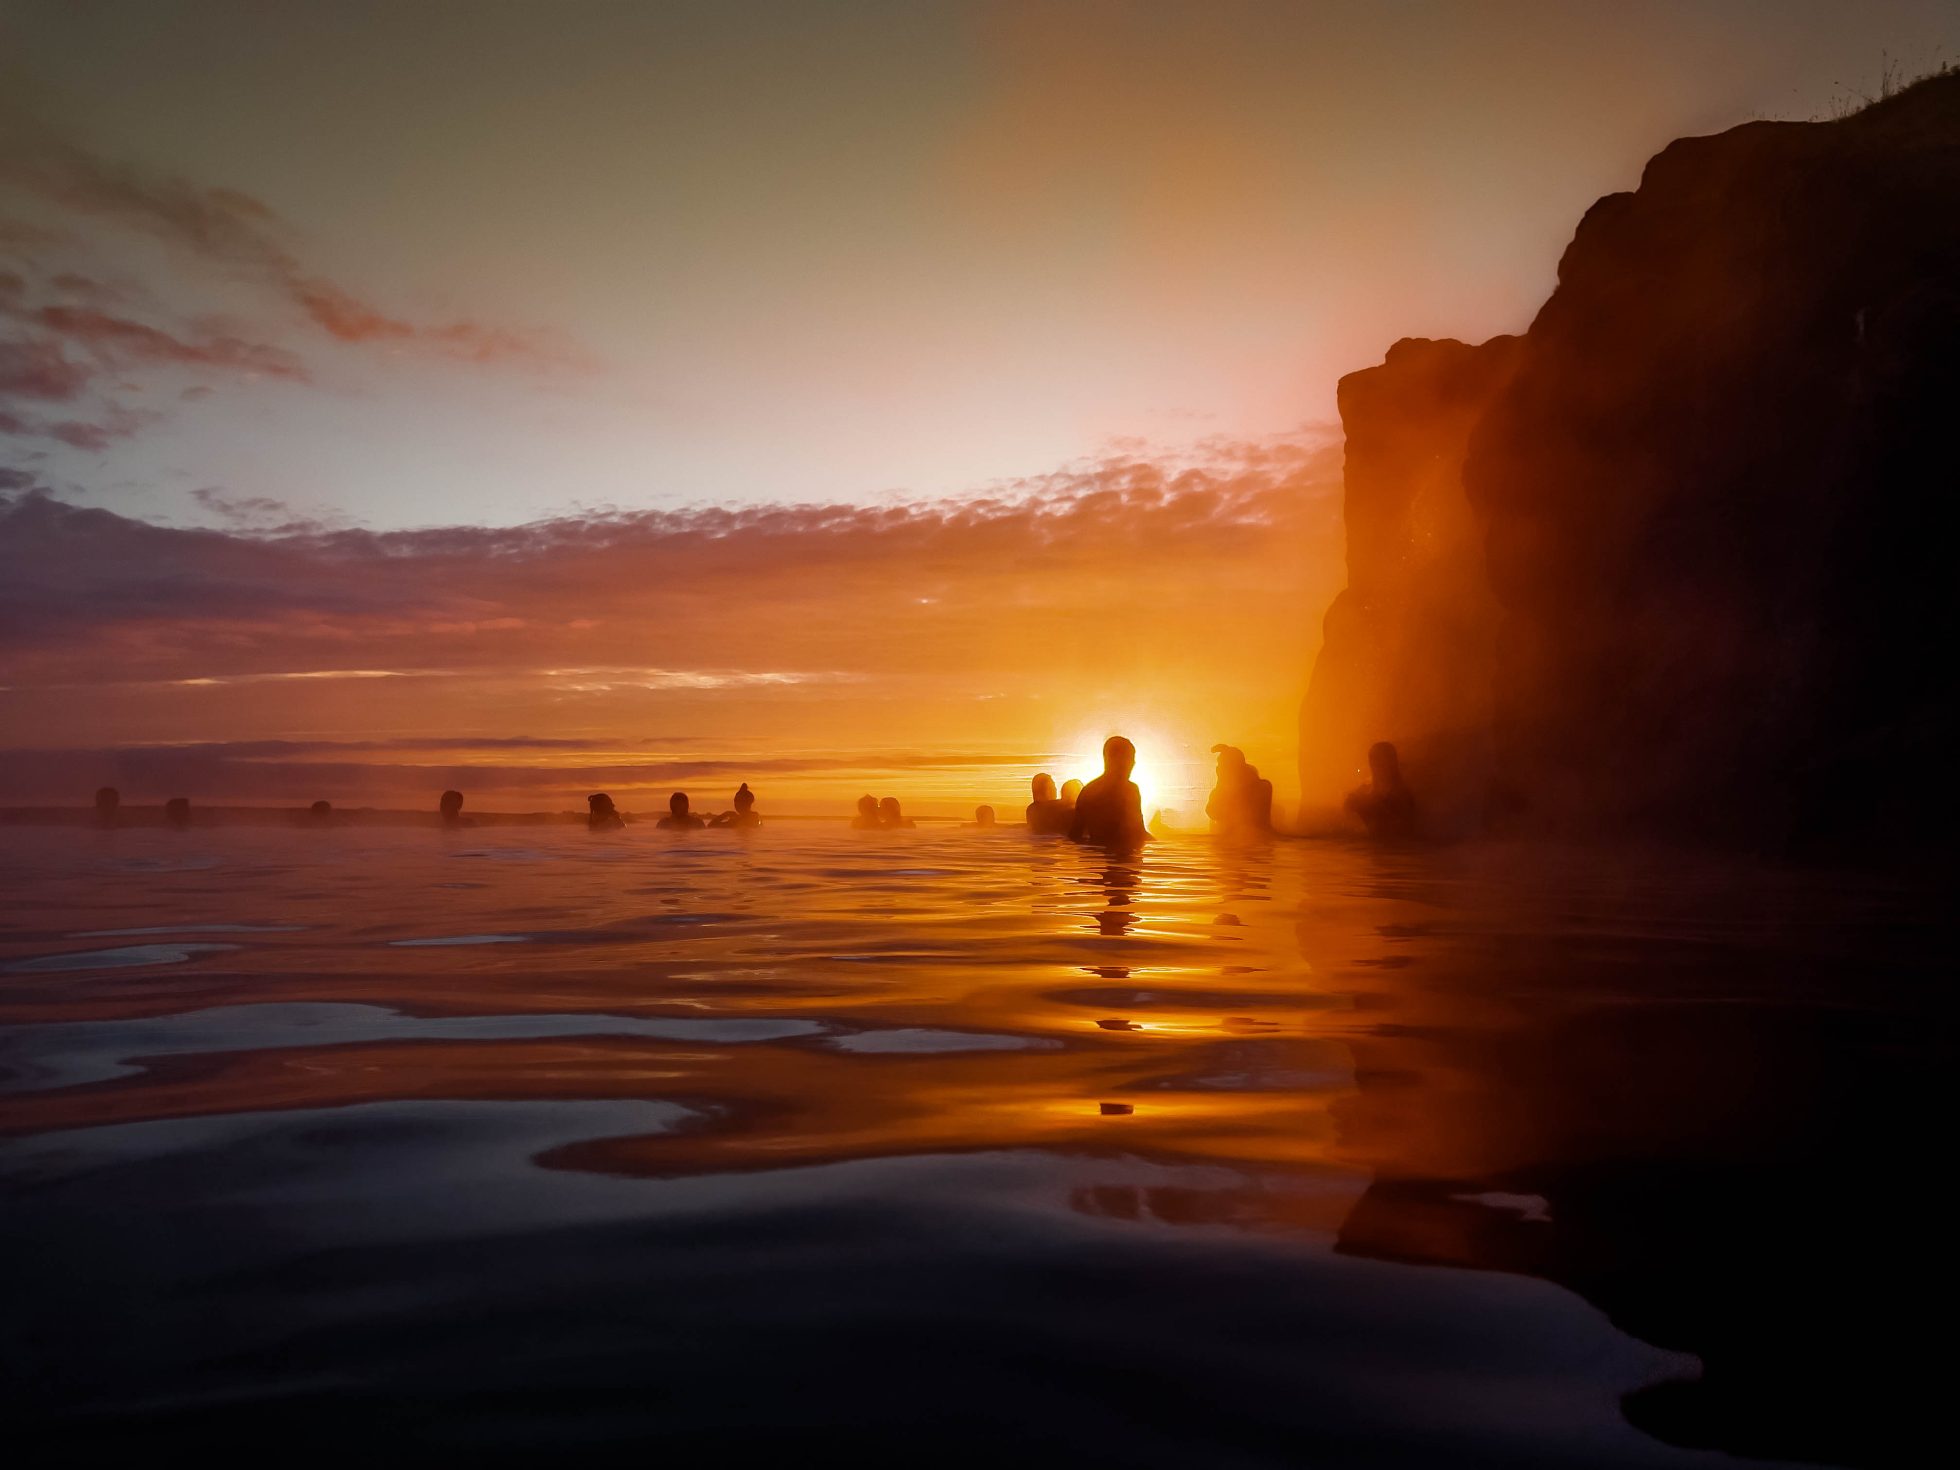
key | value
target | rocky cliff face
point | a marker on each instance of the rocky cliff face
(1409, 645)
(1709, 491)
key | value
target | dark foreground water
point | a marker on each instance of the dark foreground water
(935, 1148)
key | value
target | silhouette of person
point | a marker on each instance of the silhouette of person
(107, 799)
(890, 816)
(1241, 802)
(177, 812)
(744, 813)
(1047, 814)
(679, 818)
(320, 813)
(601, 815)
(983, 816)
(867, 818)
(1385, 805)
(1071, 792)
(1110, 810)
(451, 807)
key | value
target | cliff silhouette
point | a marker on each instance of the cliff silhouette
(1667, 563)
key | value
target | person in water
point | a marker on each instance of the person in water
(679, 818)
(983, 816)
(601, 815)
(744, 813)
(1110, 810)
(107, 799)
(866, 819)
(1385, 805)
(451, 808)
(177, 812)
(1071, 792)
(890, 816)
(320, 814)
(1241, 802)
(1046, 814)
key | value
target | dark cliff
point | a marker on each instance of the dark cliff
(1709, 493)
(1409, 646)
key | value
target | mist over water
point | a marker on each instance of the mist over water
(504, 1142)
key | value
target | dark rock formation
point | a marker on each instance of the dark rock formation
(1709, 494)
(1409, 645)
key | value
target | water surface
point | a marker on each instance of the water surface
(943, 1147)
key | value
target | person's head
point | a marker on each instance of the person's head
(1119, 757)
(599, 804)
(320, 810)
(1044, 787)
(983, 816)
(744, 798)
(177, 811)
(677, 803)
(452, 803)
(1384, 765)
(1231, 760)
(1071, 789)
(107, 799)
(867, 806)
(888, 808)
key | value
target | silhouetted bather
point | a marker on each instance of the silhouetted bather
(451, 807)
(177, 812)
(107, 799)
(1241, 801)
(1071, 792)
(866, 819)
(1046, 814)
(601, 815)
(744, 813)
(890, 816)
(1385, 805)
(679, 818)
(320, 813)
(1110, 809)
(983, 816)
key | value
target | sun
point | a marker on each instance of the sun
(1152, 768)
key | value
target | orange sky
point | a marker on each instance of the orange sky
(881, 396)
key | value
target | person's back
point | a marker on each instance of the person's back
(1110, 810)
(450, 808)
(679, 818)
(1046, 814)
(1386, 806)
(744, 813)
(1241, 802)
(890, 816)
(601, 815)
(866, 819)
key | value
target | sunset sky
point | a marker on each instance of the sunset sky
(556, 397)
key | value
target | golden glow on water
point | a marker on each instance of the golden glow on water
(823, 994)
(856, 1072)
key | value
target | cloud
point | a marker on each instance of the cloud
(229, 229)
(67, 335)
(38, 369)
(117, 342)
(1133, 581)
